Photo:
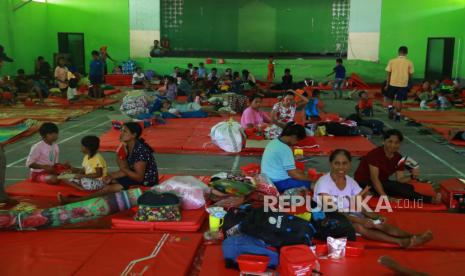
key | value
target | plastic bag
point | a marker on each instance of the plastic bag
(336, 247)
(191, 190)
(228, 136)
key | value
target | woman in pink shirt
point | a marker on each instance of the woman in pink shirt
(253, 117)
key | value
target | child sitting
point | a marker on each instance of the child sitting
(425, 94)
(442, 102)
(94, 167)
(311, 111)
(138, 78)
(365, 105)
(424, 97)
(44, 155)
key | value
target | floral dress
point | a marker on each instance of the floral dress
(285, 115)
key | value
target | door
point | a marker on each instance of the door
(439, 58)
(72, 44)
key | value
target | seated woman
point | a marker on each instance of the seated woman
(136, 167)
(338, 189)
(278, 160)
(378, 165)
(282, 113)
(253, 117)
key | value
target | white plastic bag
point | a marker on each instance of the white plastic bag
(191, 190)
(228, 136)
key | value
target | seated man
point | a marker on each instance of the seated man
(278, 160)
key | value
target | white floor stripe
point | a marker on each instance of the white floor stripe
(61, 130)
(236, 163)
(62, 141)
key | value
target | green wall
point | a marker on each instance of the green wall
(5, 34)
(411, 22)
(251, 26)
(35, 27)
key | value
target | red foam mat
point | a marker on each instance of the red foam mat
(448, 117)
(429, 261)
(34, 189)
(213, 263)
(191, 221)
(357, 145)
(27, 188)
(445, 227)
(407, 205)
(175, 137)
(444, 131)
(95, 253)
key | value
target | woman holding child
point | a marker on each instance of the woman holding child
(336, 188)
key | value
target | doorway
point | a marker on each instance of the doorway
(439, 58)
(72, 45)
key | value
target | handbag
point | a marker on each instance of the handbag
(155, 206)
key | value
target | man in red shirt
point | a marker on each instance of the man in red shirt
(379, 164)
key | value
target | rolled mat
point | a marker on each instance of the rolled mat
(12, 133)
(11, 121)
(76, 212)
(72, 252)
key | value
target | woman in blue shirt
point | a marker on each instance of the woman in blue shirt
(278, 160)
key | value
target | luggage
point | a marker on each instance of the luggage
(277, 229)
(155, 206)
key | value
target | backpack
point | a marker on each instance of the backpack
(234, 246)
(333, 224)
(276, 228)
(338, 129)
